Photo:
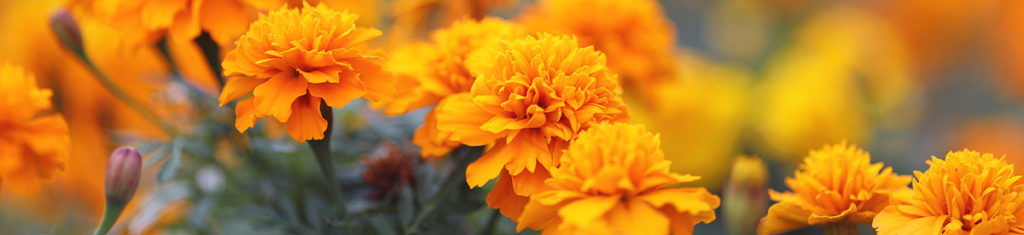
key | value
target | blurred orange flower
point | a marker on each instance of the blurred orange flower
(611, 181)
(429, 72)
(636, 35)
(531, 97)
(967, 193)
(34, 143)
(836, 186)
(147, 21)
(291, 59)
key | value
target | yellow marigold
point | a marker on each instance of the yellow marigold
(33, 143)
(967, 193)
(429, 72)
(611, 181)
(530, 98)
(637, 37)
(837, 187)
(294, 59)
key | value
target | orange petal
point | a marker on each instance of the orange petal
(504, 199)
(528, 183)
(433, 142)
(782, 217)
(685, 200)
(237, 87)
(380, 85)
(306, 123)
(584, 211)
(637, 217)
(275, 96)
(244, 116)
(488, 166)
(458, 115)
(224, 19)
(338, 94)
(538, 216)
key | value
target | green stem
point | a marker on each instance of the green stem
(110, 214)
(463, 156)
(492, 222)
(212, 53)
(322, 151)
(841, 229)
(146, 113)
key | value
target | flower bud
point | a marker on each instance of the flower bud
(123, 172)
(744, 196)
(66, 29)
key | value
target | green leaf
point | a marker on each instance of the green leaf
(381, 225)
(405, 205)
(170, 168)
(158, 154)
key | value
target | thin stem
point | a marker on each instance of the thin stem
(322, 151)
(841, 229)
(146, 113)
(110, 214)
(463, 156)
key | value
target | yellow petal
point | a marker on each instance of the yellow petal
(782, 217)
(458, 115)
(504, 199)
(244, 116)
(432, 142)
(685, 200)
(338, 94)
(585, 210)
(380, 85)
(637, 217)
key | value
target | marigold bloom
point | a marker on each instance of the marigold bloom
(429, 72)
(967, 193)
(530, 98)
(147, 21)
(33, 143)
(291, 59)
(388, 170)
(835, 186)
(636, 35)
(611, 181)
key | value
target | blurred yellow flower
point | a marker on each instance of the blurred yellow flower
(426, 73)
(844, 70)
(836, 187)
(33, 143)
(531, 97)
(699, 114)
(636, 35)
(611, 181)
(412, 16)
(291, 59)
(967, 193)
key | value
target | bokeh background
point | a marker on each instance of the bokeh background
(903, 79)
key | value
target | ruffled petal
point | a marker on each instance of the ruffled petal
(306, 122)
(274, 97)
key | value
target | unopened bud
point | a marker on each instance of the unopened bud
(123, 172)
(67, 30)
(744, 196)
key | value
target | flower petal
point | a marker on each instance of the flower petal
(237, 87)
(585, 210)
(488, 166)
(306, 121)
(338, 94)
(274, 97)
(460, 116)
(244, 116)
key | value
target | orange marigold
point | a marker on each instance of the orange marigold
(967, 193)
(530, 98)
(147, 21)
(429, 72)
(837, 187)
(33, 143)
(636, 35)
(292, 60)
(611, 181)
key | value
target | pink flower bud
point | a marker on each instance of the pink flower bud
(66, 29)
(123, 172)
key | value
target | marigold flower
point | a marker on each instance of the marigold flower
(636, 35)
(147, 21)
(33, 143)
(836, 186)
(530, 98)
(429, 72)
(611, 181)
(967, 193)
(294, 59)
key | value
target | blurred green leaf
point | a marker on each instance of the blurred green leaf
(170, 168)
(381, 225)
(406, 207)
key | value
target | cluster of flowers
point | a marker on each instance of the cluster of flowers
(558, 141)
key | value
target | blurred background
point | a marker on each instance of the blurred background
(903, 79)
